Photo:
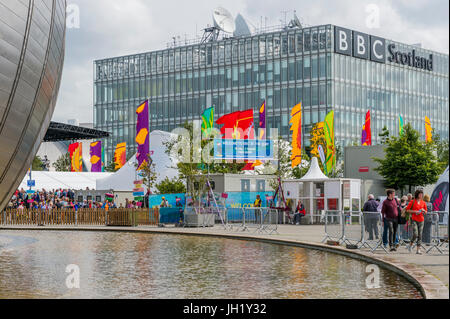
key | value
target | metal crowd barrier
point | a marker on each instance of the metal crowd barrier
(269, 221)
(439, 232)
(353, 230)
(334, 226)
(366, 230)
(372, 225)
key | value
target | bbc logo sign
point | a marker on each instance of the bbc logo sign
(359, 45)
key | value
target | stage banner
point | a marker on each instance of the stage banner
(228, 149)
(96, 157)
(262, 121)
(428, 130)
(296, 129)
(76, 157)
(331, 147)
(366, 137)
(142, 134)
(120, 155)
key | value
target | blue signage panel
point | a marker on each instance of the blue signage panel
(31, 183)
(227, 149)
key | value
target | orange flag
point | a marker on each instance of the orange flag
(296, 128)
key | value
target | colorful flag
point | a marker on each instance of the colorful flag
(400, 125)
(142, 134)
(262, 135)
(120, 155)
(296, 128)
(76, 157)
(317, 139)
(366, 139)
(207, 121)
(103, 158)
(237, 125)
(329, 137)
(262, 121)
(428, 130)
(96, 157)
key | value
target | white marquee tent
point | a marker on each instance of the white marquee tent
(122, 180)
(64, 180)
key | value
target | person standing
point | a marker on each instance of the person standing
(389, 211)
(257, 205)
(371, 217)
(428, 221)
(417, 208)
(164, 203)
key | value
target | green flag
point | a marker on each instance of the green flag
(329, 137)
(207, 120)
(400, 125)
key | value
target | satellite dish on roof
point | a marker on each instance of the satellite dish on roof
(223, 20)
(242, 28)
(295, 23)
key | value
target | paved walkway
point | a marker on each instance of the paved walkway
(430, 272)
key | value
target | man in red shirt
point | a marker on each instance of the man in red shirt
(417, 208)
(390, 215)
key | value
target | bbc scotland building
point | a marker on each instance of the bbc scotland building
(324, 67)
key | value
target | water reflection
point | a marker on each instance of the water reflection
(132, 265)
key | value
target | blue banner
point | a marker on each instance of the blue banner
(234, 200)
(156, 200)
(227, 149)
(170, 215)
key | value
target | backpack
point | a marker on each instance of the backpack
(401, 219)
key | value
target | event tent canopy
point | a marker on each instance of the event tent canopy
(123, 179)
(64, 180)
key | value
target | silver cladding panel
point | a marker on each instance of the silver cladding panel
(32, 39)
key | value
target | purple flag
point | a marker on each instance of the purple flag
(96, 157)
(142, 134)
(262, 121)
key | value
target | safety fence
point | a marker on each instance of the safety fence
(367, 229)
(81, 216)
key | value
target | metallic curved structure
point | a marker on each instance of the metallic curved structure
(32, 39)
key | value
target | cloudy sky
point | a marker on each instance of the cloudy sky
(116, 27)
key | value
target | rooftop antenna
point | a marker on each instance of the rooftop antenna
(285, 17)
(223, 22)
(295, 22)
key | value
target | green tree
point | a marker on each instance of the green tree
(111, 167)
(338, 170)
(174, 186)
(148, 172)
(63, 163)
(195, 174)
(37, 165)
(442, 151)
(409, 161)
(384, 135)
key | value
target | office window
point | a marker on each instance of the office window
(284, 70)
(306, 68)
(307, 41)
(299, 69)
(315, 67)
(277, 71)
(307, 96)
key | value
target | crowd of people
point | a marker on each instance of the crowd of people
(411, 211)
(54, 199)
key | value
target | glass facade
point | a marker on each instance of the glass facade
(283, 68)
